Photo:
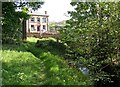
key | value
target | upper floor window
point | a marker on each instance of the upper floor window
(38, 19)
(44, 20)
(32, 19)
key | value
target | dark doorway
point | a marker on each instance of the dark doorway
(38, 28)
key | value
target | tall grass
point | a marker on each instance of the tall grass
(56, 68)
(30, 65)
(21, 67)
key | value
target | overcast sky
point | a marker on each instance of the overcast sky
(56, 9)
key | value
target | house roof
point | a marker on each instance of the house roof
(38, 14)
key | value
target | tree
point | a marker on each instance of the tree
(92, 35)
(12, 20)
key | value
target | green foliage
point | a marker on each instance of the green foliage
(30, 65)
(9, 25)
(92, 34)
(12, 20)
(20, 67)
(56, 68)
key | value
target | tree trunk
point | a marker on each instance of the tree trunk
(24, 34)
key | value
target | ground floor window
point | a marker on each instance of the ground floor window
(33, 28)
(44, 27)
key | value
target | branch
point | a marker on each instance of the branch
(104, 67)
(21, 4)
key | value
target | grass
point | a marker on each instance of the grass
(20, 67)
(29, 65)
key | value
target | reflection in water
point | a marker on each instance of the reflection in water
(84, 70)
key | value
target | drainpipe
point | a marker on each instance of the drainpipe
(47, 23)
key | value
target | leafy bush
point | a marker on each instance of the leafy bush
(92, 38)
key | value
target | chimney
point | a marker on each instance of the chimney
(45, 12)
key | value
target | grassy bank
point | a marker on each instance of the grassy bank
(29, 65)
(21, 67)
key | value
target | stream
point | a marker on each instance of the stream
(84, 70)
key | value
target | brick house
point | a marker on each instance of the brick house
(37, 24)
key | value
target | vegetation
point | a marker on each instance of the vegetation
(27, 64)
(20, 67)
(13, 20)
(92, 36)
(90, 39)
(56, 26)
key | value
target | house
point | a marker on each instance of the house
(37, 24)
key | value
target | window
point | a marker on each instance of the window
(44, 20)
(44, 27)
(32, 19)
(38, 19)
(33, 28)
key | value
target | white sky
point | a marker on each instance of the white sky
(56, 9)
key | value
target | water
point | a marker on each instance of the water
(84, 70)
